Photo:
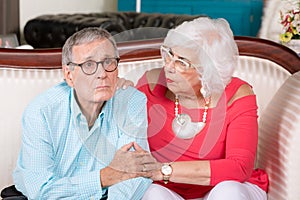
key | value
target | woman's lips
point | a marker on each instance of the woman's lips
(169, 80)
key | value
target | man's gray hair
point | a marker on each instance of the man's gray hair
(84, 36)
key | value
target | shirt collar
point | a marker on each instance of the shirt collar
(75, 109)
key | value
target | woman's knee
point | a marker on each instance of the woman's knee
(159, 192)
(231, 190)
(152, 189)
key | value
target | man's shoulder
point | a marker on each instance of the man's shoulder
(53, 95)
(130, 93)
(127, 100)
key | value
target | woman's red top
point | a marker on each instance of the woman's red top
(229, 139)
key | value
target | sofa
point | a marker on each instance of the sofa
(272, 69)
(51, 31)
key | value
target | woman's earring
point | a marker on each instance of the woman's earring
(203, 92)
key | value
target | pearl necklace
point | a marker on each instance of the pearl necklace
(182, 125)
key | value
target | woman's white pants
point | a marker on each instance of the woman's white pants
(226, 190)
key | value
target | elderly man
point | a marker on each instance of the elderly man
(83, 138)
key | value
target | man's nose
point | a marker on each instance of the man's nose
(101, 73)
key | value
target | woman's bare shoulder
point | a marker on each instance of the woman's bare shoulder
(244, 90)
(152, 77)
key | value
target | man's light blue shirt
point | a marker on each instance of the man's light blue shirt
(61, 157)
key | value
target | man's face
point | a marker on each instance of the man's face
(99, 86)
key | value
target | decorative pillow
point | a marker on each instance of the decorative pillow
(279, 141)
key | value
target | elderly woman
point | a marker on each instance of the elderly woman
(203, 127)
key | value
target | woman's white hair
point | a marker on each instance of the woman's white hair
(210, 46)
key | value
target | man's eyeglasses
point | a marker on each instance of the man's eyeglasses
(168, 57)
(90, 67)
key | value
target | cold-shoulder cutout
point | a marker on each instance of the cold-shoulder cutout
(244, 90)
(152, 77)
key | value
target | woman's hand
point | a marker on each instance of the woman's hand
(153, 167)
(124, 83)
(129, 161)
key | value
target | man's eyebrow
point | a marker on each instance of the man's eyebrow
(88, 58)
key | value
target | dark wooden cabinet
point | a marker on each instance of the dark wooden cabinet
(244, 16)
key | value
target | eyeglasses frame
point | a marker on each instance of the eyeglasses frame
(168, 50)
(99, 62)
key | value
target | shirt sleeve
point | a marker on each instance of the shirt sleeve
(132, 189)
(37, 174)
(241, 143)
(133, 124)
(131, 118)
(34, 174)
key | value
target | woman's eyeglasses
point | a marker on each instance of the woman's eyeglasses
(168, 57)
(90, 67)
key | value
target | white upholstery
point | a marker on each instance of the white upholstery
(18, 87)
(279, 141)
(265, 77)
(134, 70)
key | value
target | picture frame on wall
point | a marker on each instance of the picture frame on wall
(9, 41)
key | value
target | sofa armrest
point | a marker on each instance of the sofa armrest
(279, 139)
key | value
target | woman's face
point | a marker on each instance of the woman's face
(181, 77)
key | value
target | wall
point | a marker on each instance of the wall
(9, 17)
(33, 8)
(244, 16)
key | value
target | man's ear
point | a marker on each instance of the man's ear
(68, 75)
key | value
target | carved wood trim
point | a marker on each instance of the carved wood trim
(266, 49)
(149, 49)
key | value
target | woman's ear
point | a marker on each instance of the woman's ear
(68, 75)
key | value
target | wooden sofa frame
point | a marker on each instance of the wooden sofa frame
(149, 49)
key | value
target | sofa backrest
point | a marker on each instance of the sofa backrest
(26, 73)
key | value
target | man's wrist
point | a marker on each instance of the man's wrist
(109, 176)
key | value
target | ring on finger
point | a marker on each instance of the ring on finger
(144, 168)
